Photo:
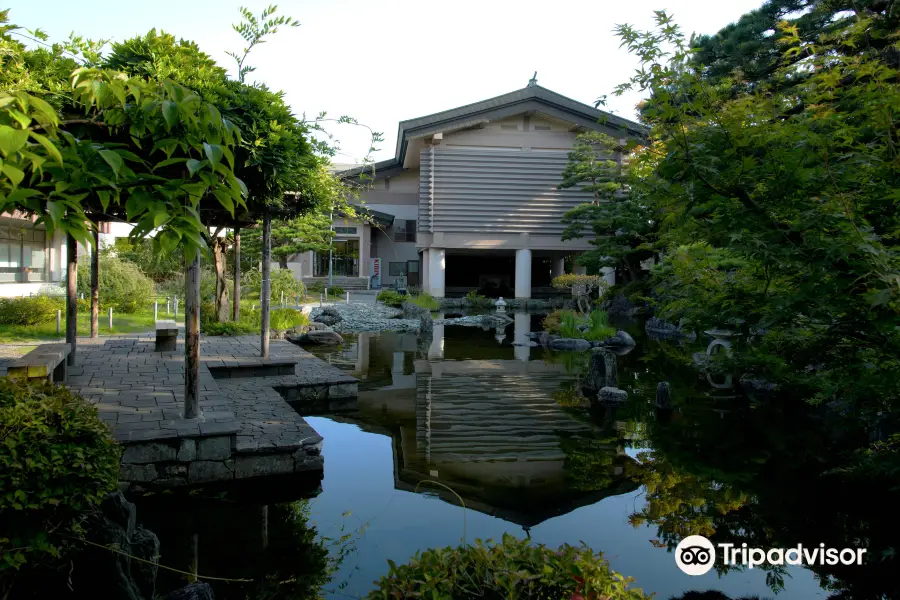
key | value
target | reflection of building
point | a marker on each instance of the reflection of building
(489, 429)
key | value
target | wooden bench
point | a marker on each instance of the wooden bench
(166, 336)
(46, 361)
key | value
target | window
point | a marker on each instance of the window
(405, 231)
(23, 255)
(395, 269)
(346, 230)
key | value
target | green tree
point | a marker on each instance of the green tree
(620, 218)
(792, 184)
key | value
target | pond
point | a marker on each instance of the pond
(468, 436)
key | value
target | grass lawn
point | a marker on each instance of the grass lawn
(138, 322)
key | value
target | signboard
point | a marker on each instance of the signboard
(375, 272)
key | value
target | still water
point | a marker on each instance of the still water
(505, 428)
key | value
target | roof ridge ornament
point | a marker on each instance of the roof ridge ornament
(533, 81)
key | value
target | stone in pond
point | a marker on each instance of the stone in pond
(612, 395)
(318, 338)
(192, 591)
(621, 339)
(570, 344)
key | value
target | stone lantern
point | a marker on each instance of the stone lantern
(501, 306)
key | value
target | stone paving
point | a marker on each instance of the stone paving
(140, 393)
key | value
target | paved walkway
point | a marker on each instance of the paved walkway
(140, 392)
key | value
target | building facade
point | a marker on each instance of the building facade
(470, 199)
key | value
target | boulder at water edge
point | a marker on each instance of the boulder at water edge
(620, 340)
(317, 338)
(612, 395)
(570, 344)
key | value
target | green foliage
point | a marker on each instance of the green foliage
(598, 326)
(425, 300)
(581, 287)
(621, 220)
(158, 266)
(64, 151)
(568, 326)
(511, 569)
(779, 190)
(282, 280)
(476, 299)
(29, 310)
(123, 286)
(553, 320)
(390, 298)
(213, 327)
(57, 463)
(283, 319)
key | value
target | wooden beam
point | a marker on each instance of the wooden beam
(236, 306)
(71, 299)
(192, 338)
(95, 284)
(266, 287)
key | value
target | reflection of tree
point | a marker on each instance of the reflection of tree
(591, 463)
(293, 566)
(763, 474)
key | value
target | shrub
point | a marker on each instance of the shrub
(599, 327)
(581, 287)
(57, 463)
(511, 569)
(213, 327)
(552, 321)
(568, 326)
(426, 301)
(476, 299)
(31, 310)
(391, 298)
(282, 319)
(123, 286)
(283, 280)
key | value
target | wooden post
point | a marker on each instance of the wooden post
(110, 318)
(58, 321)
(192, 338)
(95, 284)
(236, 307)
(71, 298)
(266, 291)
(156, 310)
(176, 307)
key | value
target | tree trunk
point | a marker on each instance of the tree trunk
(95, 284)
(282, 261)
(192, 337)
(633, 274)
(71, 299)
(218, 251)
(266, 287)
(236, 306)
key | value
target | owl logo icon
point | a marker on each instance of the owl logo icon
(695, 555)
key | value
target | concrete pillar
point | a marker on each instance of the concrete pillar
(520, 336)
(436, 268)
(558, 267)
(609, 275)
(426, 270)
(523, 273)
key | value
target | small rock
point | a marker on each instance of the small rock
(526, 344)
(496, 320)
(315, 326)
(621, 339)
(612, 395)
(426, 324)
(317, 338)
(192, 591)
(570, 344)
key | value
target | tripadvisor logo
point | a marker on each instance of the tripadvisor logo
(696, 555)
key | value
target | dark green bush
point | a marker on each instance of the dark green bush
(30, 310)
(123, 286)
(57, 463)
(511, 569)
(227, 328)
(391, 298)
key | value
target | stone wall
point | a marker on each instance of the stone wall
(187, 461)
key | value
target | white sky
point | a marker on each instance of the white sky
(389, 60)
